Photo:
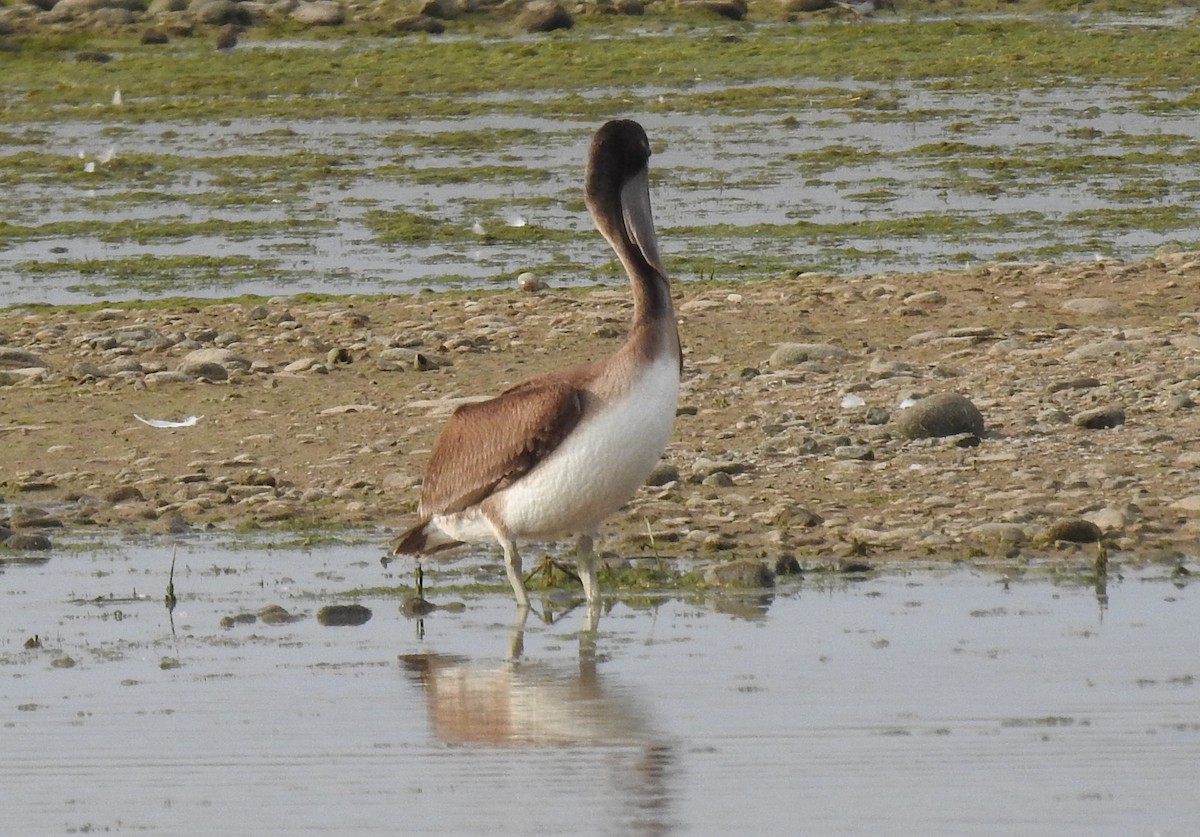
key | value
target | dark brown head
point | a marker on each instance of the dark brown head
(617, 193)
(620, 149)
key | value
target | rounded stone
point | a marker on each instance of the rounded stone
(442, 9)
(789, 354)
(854, 452)
(220, 12)
(744, 572)
(544, 16)
(1072, 530)
(530, 283)
(663, 474)
(1101, 418)
(319, 13)
(32, 517)
(124, 494)
(28, 541)
(19, 359)
(207, 370)
(944, 414)
(1092, 305)
(276, 615)
(419, 23)
(226, 358)
(343, 615)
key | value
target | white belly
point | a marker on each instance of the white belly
(599, 466)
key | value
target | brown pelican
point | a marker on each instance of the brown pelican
(557, 454)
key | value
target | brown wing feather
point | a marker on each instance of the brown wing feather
(487, 445)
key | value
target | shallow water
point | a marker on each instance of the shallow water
(1001, 172)
(930, 702)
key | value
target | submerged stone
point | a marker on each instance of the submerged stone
(743, 572)
(343, 615)
(277, 615)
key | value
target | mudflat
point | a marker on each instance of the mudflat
(789, 440)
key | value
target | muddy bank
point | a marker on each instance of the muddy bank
(789, 440)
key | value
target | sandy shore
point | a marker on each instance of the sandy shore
(322, 413)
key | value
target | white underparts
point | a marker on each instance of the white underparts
(593, 472)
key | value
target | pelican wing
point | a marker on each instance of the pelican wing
(486, 446)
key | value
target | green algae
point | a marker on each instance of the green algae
(145, 231)
(674, 62)
(151, 274)
(397, 79)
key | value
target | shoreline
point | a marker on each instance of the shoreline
(320, 414)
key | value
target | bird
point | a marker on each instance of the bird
(862, 9)
(558, 453)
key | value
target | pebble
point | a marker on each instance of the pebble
(742, 573)
(1178, 403)
(1072, 530)
(663, 474)
(1100, 418)
(277, 615)
(790, 514)
(305, 364)
(18, 359)
(530, 283)
(227, 358)
(790, 354)
(32, 517)
(443, 9)
(1191, 503)
(925, 299)
(319, 13)
(1085, 382)
(28, 541)
(877, 416)
(171, 522)
(1107, 520)
(205, 370)
(944, 414)
(220, 12)
(729, 9)
(544, 16)
(787, 565)
(343, 615)
(703, 467)
(124, 494)
(1092, 305)
(1101, 349)
(418, 23)
(854, 452)
(159, 379)
(238, 619)
(998, 534)
(399, 358)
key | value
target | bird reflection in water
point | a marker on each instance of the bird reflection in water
(516, 703)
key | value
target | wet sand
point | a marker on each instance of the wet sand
(326, 414)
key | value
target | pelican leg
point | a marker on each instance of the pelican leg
(512, 566)
(586, 558)
(516, 634)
